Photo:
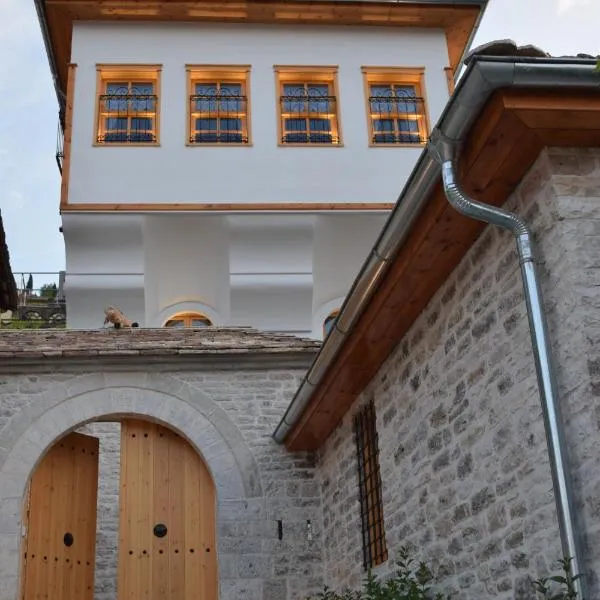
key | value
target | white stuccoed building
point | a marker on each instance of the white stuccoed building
(234, 166)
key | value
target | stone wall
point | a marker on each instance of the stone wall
(463, 457)
(229, 415)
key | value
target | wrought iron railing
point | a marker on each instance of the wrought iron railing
(309, 117)
(39, 306)
(397, 119)
(218, 118)
(127, 118)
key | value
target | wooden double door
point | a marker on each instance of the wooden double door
(166, 520)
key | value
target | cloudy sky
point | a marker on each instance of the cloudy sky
(29, 179)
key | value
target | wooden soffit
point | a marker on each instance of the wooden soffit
(503, 144)
(458, 21)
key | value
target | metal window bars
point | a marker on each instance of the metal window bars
(369, 480)
(219, 115)
(308, 115)
(127, 115)
(397, 116)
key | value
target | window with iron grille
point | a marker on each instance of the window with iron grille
(308, 106)
(396, 106)
(369, 480)
(127, 105)
(218, 105)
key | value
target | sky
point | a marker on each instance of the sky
(29, 177)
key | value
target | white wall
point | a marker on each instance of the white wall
(342, 243)
(104, 264)
(186, 263)
(174, 173)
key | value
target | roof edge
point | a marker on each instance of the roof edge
(61, 95)
(483, 76)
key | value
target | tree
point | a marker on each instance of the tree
(48, 290)
(29, 286)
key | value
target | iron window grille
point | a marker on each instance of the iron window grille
(369, 480)
(396, 114)
(308, 114)
(218, 114)
(127, 114)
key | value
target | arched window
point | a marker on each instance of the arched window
(188, 319)
(329, 322)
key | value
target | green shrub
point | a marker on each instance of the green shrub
(413, 581)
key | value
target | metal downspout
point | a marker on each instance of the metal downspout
(571, 545)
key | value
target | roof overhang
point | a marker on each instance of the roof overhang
(503, 113)
(459, 19)
(8, 288)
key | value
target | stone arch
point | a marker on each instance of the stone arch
(29, 434)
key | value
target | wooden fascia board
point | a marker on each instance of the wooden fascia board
(502, 145)
(458, 21)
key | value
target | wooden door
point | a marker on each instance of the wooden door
(167, 518)
(60, 536)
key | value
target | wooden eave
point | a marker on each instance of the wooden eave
(457, 20)
(504, 142)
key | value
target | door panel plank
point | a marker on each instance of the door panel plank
(164, 481)
(62, 499)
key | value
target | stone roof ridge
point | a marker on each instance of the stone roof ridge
(56, 343)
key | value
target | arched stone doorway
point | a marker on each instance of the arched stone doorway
(201, 422)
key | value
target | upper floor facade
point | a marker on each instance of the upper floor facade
(273, 108)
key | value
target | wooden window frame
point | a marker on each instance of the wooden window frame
(219, 74)
(399, 76)
(285, 74)
(105, 73)
(370, 492)
(187, 317)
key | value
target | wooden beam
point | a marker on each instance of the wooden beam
(68, 133)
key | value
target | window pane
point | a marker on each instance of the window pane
(295, 131)
(115, 130)
(231, 124)
(320, 131)
(382, 99)
(206, 131)
(405, 104)
(319, 101)
(113, 101)
(206, 124)
(141, 97)
(141, 130)
(383, 131)
(206, 91)
(406, 91)
(295, 125)
(409, 131)
(231, 89)
(383, 125)
(293, 101)
(174, 323)
(200, 323)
